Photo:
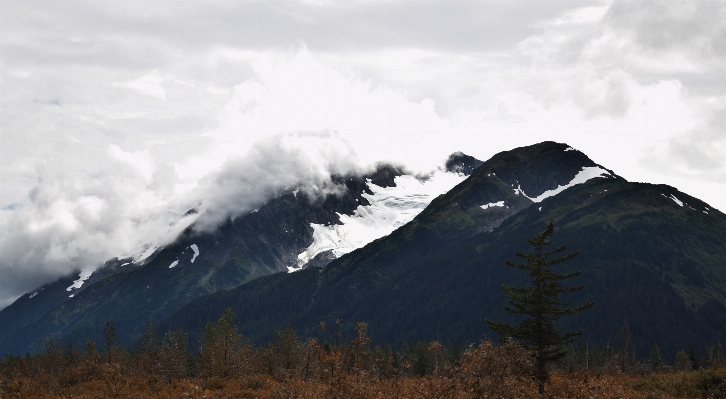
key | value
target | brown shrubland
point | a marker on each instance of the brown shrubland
(290, 368)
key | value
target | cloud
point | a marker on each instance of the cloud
(83, 31)
(663, 37)
(74, 222)
(277, 163)
(138, 161)
(698, 154)
(151, 84)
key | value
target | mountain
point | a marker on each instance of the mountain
(650, 255)
(387, 249)
(290, 232)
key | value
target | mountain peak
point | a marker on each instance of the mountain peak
(459, 162)
(541, 167)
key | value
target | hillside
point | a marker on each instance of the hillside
(290, 232)
(651, 255)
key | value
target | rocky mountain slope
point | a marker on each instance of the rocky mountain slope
(651, 255)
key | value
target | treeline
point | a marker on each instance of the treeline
(335, 366)
(622, 357)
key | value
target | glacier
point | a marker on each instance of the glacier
(389, 209)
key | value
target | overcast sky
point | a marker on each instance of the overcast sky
(117, 117)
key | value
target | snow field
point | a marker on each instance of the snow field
(584, 175)
(82, 277)
(389, 209)
(493, 204)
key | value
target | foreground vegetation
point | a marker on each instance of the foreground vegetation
(226, 366)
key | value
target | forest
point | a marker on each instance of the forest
(333, 365)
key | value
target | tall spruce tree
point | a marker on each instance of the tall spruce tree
(221, 352)
(539, 304)
(656, 361)
(173, 362)
(627, 348)
(109, 333)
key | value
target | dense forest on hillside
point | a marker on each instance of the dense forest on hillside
(333, 365)
(646, 264)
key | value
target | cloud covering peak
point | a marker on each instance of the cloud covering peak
(72, 222)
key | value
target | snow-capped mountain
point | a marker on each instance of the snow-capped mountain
(650, 254)
(289, 233)
(383, 224)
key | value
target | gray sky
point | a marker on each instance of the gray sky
(117, 117)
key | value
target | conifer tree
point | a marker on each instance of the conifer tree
(682, 362)
(540, 306)
(716, 356)
(109, 333)
(693, 358)
(221, 350)
(172, 359)
(656, 360)
(627, 348)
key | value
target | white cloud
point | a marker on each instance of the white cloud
(138, 161)
(151, 84)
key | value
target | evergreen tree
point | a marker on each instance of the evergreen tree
(173, 358)
(539, 303)
(145, 351)
(682, 363)
(582, 353)
(716, 356)
(596, 357)
(147, 342)
(109, 333)
(693, 358)
(287, 348)
(221, 350)
(656, 362)
(51, 360)
(627, 349)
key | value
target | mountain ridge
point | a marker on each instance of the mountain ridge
(448, 296)
(436, 276)
(267, 240)
(431, 287)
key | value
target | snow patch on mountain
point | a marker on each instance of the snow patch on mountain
(676, 200)
(176, 262)
(389, 209)
(493, 204)
(582, 176)
(194, 248)
(82, 277)
(33, 295)
(147, 253)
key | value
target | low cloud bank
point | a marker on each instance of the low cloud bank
(76, 222)
(286, 161)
